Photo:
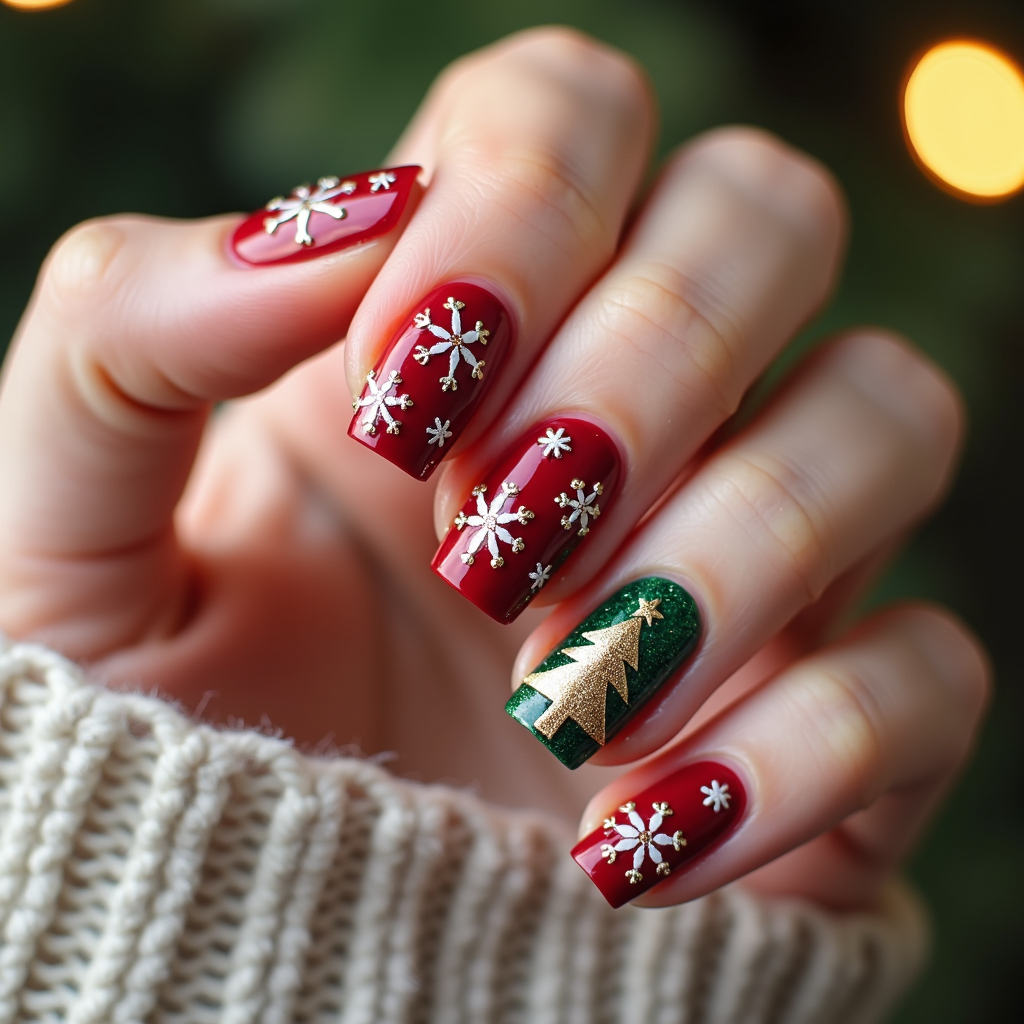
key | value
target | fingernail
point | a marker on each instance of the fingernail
(330, 215)
(603, 672)
(432, 377)
(662, 830)
(541, 499)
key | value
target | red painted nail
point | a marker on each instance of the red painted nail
(432, 377)
(540, 500)
(661, 831)
(333, 214)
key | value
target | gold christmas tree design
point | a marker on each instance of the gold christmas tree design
(580, 691)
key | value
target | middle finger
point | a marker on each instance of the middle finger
(736, 248)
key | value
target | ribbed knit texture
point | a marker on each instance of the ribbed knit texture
(155, 870)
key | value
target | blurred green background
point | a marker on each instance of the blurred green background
(193, 107)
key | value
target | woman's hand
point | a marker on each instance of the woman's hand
(281, 575)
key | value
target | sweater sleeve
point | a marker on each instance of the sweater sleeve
(156, 870)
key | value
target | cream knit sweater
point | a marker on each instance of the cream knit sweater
(155, 870)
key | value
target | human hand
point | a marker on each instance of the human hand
(283, 576)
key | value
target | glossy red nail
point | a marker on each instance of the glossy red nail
(432, 377)
(333, 214)
(662, 830)
(541, 499)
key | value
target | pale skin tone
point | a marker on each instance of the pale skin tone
(262, 567)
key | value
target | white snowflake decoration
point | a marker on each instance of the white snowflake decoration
(716, 794)
(439, 432)
(583, 507)
(381, 180)
(490, 522)
(455, 340)
(554, 443)
(379, 402)
(642, 839)
(305, 201)
(541, 576)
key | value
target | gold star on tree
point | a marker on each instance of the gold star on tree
(580, 691)
(648, 610)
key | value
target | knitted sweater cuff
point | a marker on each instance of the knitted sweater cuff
(152, 869)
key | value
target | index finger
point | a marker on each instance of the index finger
(537, 146)
(136, 327)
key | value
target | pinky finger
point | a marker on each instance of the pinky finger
(840, 758)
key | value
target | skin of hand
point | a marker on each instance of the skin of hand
(255, 564)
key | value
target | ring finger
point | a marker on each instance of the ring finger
(737, 246)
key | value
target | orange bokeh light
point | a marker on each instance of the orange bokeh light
(963, 112)
(35, 5)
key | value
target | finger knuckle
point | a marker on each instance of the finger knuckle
(959, 661)
(784, 180)
(542, 190)
(533, 125)
(653, 310)
(560, 59)
(574, 56)
(774, 504)
(583, 61)
(78, 266)
(910, 385)
(843, 725)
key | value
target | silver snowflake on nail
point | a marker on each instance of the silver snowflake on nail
(583, 507)
(716, 794)
(455, 341)
(554, 442)
(379, 401)
(490, 521)
(439, 432)
(643, 839)
(541, 576)
(304, 201)
(381, 180)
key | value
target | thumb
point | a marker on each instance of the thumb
(137, 326)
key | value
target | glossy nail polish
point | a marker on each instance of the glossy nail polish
(432, 377)
(662, 830)
(539, 501)
(603, 672)
(333, 214)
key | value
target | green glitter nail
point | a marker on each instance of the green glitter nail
(644, 632)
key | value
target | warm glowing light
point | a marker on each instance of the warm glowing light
(37, 5)
(963, 108)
